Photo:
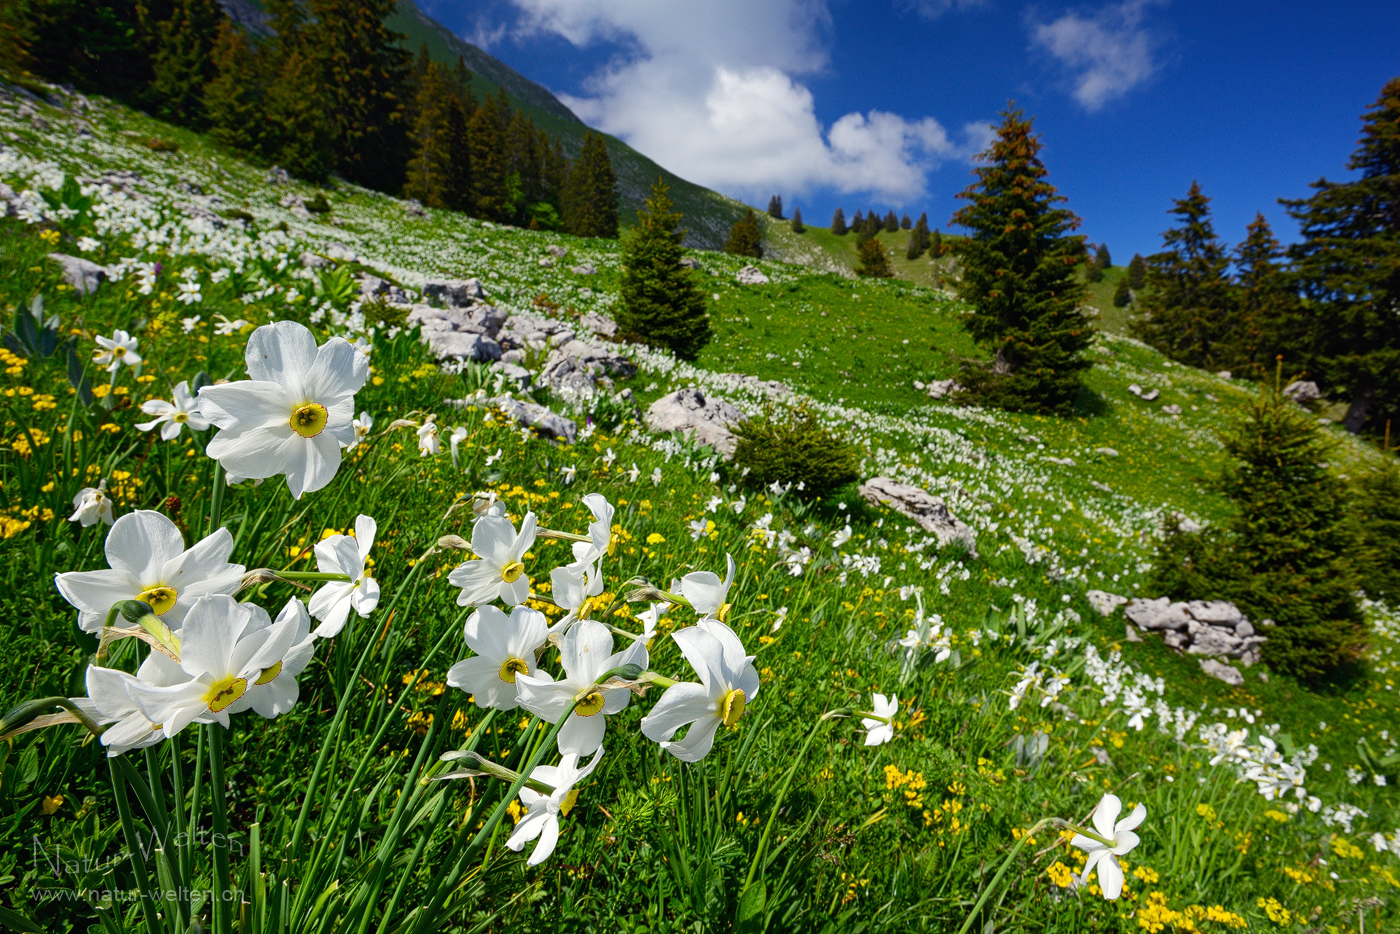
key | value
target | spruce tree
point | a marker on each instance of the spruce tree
(918, 239)
(1348, 264)
(1137, 271)
(486, 146)
(1377, 509)
(745, 237)
(905, 223)
(1273, 322)
(1092, 271)
(935, 244)
(661, 302)
(233, 98)
(797, 226)
(299, 136)
(891, 222)
(775, 207)
(874, 261)
(1187, 309)
(1019, 274)
(858, 222)
(590, 200)
(182, 63)
(1122, 295)
(1102, 259)
(439, 140)
(1284, 556)
(838, 223)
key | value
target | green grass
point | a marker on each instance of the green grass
(899, 837)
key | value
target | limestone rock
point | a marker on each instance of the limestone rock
(751, 275)
(532, 415)
(1131, 634)
(1302, 391)
(1135, 389)
(930, 512)
(82, 274)
(568, 374)
(373, 287)
(1161, 613)
(690, 262)
(312, 261)
(1175, 640)
(614, 364)
(706, 420)
(1062, 461)
(1172, 409)
(601, 325)
(514, 373)
(583, 269)
(277, 176)
(546, 261)
(1106, 452)
(1211, 640)
(1150, 396)
(464, 345)
(1106, 603)
(1225, 374)
(556, 250)
(941, 388)
(455, 293)
(1215, 611)
(1227, 673)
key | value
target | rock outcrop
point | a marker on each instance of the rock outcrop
(82, 274)
(1213, 628)
(930, 512)
(704, 419)
(463, 333)
(454, 293)
(1302, 391)
(751, 275)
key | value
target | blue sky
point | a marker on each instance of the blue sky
(882, 102)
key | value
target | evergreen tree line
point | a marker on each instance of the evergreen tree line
(330, 90)
(1329, 305)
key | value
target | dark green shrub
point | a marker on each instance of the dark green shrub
(1377, 508)
(318, 204)
(795, 447)
(1287, 554)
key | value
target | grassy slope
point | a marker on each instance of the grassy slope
(709, 214)
(1046, 531)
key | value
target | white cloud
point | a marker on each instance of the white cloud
(1110, 51)
(708, 89)
(933, 9)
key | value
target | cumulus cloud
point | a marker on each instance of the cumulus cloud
(933, 9)
(710, 90)
(1110, 51)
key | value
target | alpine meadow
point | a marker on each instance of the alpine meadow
(411, 523)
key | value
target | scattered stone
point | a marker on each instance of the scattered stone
(415, 207)
(277, 176)
(583, 269)
(373, 287)
(1135, 389)
(1131, 635)
(1151, 395)
(82, 274)
(1106, 452)
(1106, 603)
(690, 262)
(1216, 612)
(1213, 628)
(930, 512)
(1101, 486)
(614, 364)
(1062, 461)
(464, 333)
(601, 325)
(1224, 374)
(1176, 640)
(751, 275)
(941, 388)
(532, 415)
(1302, 391)
(1158, 614)
(1227, 673)
(558, 251)
(1211, 640)
(546, 261)
(514, 373)
(704, 420)
(455, 293)
(464, 345)
(1172, 409)
(312, 261)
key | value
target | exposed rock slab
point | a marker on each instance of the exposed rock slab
(930, 512)
(1105, 602)
(454, 293)
(705, 419)
(1227, 673)
(82, 274)
(532, 415)
(751, 275)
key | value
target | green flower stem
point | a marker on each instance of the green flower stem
(216, 503)
(312, 576)
(562, 536)
(496, 770)
(651, 677)
(143, 881)
(222, 910)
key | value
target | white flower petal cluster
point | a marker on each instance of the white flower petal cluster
(117, 350)
(1103, 857)
(728, 683)
(543, 811)
(586, 653)
(880, 728)
(92, 505)
(183, 410)
(506, 647)
(499, 572)
(343, 554)
(294, 414)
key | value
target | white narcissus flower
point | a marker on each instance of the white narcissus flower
(500, 572)
(505, 647)
(728, 683)
(175, 415)
(459, 434)
(149, 562)
(362, 426)
(115, 350)
(586, 653)
(428, 439)
(707, 593)
(110, 702)
(189, 324)
(92, 505)
(1104, 857)
(224, 651)
(880, 728)
(342, 554)
(275, 690)
(294, 414)
(543, 811)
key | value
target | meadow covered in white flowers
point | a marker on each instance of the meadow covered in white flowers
(400, 665)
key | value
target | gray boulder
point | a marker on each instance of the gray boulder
(555, 250)
(478, 319)
(515, 373)
(601, 325)
(373, 287)
(454, 293)
(614, 364)
(1219, 612)
(751, 275)
(941, 388)
(312, 261)
(690, 262)
(1227, 673)
(571, 375)
(463, 345)
(1211, 640)
(541, 419)
(583, 269)
(1161, 613)
(1150, 395)
(706, 420)
(277, 176)
(82, 274)
(1106, 603)
(1302, 391)
(930, 512)
(1172, 409)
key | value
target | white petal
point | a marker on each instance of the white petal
(283, 352)
(1106, 814)
(582, 735)
(681, 704)
(1110, 877)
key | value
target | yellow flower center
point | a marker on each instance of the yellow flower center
(589, 704)
(723, 613)
(731, 707)
(309, 420)
(513, 667)
(511, 572)
(160, 597)
(269, 673)
(224, 692)
(568, 803)
(180, 417)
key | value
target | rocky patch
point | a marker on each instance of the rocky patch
(83, 275)
(751, 275)
(1213, 628)
(930, 512)
(706, 420)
